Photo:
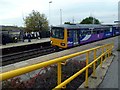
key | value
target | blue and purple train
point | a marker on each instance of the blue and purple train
(68, 35)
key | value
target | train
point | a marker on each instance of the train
(10, 36)
(70, 35)
(14, 36)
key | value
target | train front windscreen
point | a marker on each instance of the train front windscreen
(57, 33)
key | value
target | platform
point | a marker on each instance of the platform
(56, 55)
(107, 76)
(111, 80)
(33, 41)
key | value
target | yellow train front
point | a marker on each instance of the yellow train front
(59, 37)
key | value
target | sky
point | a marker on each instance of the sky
(12, 12)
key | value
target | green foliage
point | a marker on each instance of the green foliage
(90, 20)
(8, 28)
(36, 22)
(66, 22)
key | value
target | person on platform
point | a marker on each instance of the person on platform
(29, 37)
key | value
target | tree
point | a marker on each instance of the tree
(36, 22)
(66, 22)
(8, 28)
(90, 20)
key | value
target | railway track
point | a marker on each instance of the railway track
(28, 54)
(24, 55)
(15, 49)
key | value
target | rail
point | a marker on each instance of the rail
(106, 51)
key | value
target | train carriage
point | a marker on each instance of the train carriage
(76, 34)
(116, 30)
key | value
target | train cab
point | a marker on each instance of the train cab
(65, 36)
(58, 37)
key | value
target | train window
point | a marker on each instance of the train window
(101, 31)
(88, 32)
(61, 34)
(94, 31)
(69, 33)
(98, 31)
(107, 30)
(83, 32)
(57, 33)
(53, 33)
(110, 29)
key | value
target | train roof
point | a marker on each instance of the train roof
(78, 26)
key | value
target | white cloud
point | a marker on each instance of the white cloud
(13, 10)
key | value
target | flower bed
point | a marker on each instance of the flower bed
(48, 80)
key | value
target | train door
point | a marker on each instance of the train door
(69, 38)
(75, 37)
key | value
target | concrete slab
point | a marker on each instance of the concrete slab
(111, 78)
(20, 64)
(7, 68)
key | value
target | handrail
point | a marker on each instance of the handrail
(79, 72)
(23, 70)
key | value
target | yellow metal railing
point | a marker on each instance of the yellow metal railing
(106, 51)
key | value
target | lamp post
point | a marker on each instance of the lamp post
(119, 13)
(60, 16)
(119, 24)
(49, 12)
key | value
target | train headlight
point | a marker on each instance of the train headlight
(62, 44)
(51, 42)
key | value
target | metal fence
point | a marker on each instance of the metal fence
(106, 52)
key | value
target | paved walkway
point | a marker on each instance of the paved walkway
(111, 78)
(25, 43)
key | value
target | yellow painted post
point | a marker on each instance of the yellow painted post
(102, 57)
(108, 52)
(105, 55)
(111, 49)
(94, 65)
(59, 73)
(102, 50)
(112, 46)
(101, 62)
(86, 74)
